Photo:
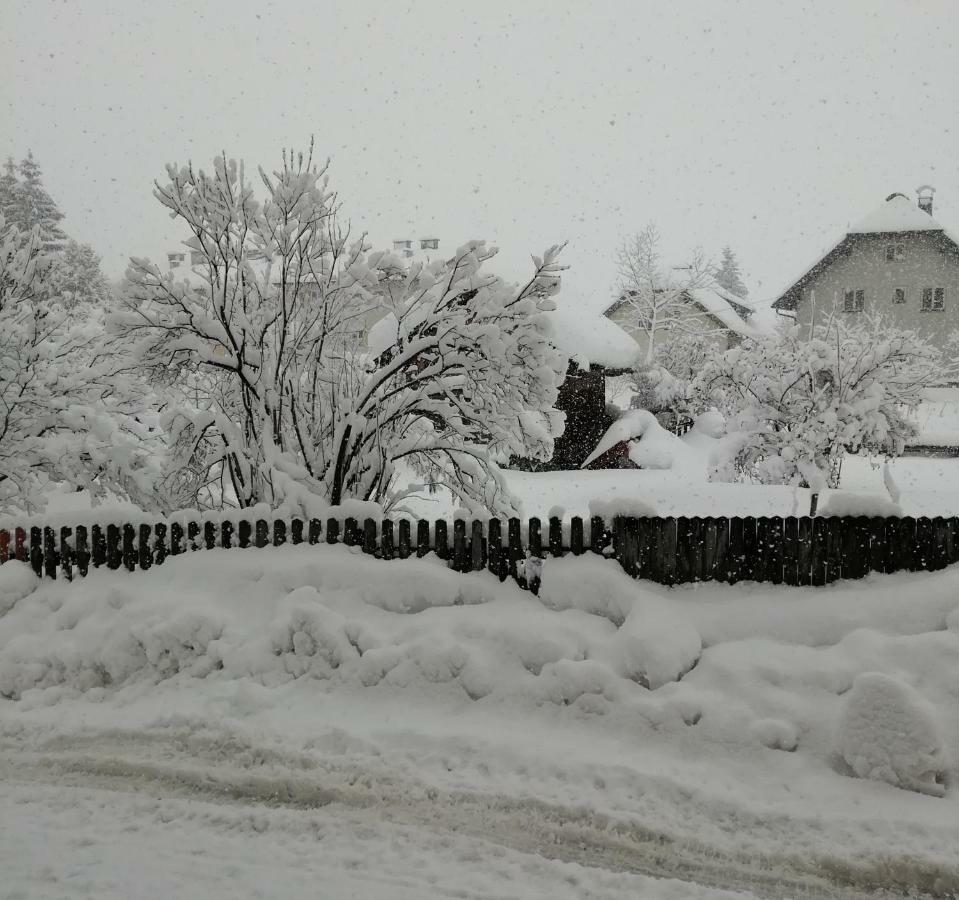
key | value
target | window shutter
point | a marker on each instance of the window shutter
(926, 299)
(940, 299)
(860, 301)
(849, 301)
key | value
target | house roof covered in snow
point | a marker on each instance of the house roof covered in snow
(588, 338)
(897, 214)
(730, 310)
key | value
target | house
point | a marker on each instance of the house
(597, 348)
(707, 309)
(898, 262)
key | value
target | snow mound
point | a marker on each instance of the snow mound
(846, 503)
(888, 732)
(17, 580)
(622, 506)
(776, 734)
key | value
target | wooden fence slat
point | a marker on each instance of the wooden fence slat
(875, 527)
(20, 551)
(261, 533)
(494, 551)
(66, 553)
(36, 550)
(514, 550)
(244, 532)
(941, 537)
(296, 531)
(226, 535)
(791, 550)
(460, 552)
(818, 556)
(4, 546)
(82, 550)
(646, 529)
(50, 556)
(804, 548)
(555, 536)
(535, 542)
(850, 561)
(667, 551)
(160, 551)
(114, 547)
(576, 538)
(710, 543)
(834, 535)
(98, 547)
(734, 551)
(209, 535)
(314, 532)
(618, 537)
(352, 535)
(192, 534)
(924, 547)
(906, 540)
(332, 530)
(279, 532)
(130, 556)
(683, 551)
(629, 547)
(953, 551)
(599, 535)
(751, 561)
(404, 543)
(369, 536)
(422, 537)
(440, 539)
(696, 537)
(145, 548)
(387, 545)
(478, 547)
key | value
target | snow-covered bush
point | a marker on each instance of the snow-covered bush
(795, 404)
(17, 580)
(280, 399)
(888, 732)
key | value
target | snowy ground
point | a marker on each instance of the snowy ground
(310, 722)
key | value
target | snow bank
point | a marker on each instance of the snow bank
(17, 580)
(888, 732)
(621, 506)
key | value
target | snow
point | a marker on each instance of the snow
(888, 732)
(269, 721)
(590, 338)
(650, 445)
(846, 503)
(938, 418)
(896, 214)
(717, 302)
(383, 334)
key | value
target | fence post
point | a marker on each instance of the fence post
(226, 534)
(146, 551)
(351, 532)
(98, 547)
(439, 536)
(774, 549)
(818, 557)
(386, 539)
(459, 546)
(535, 541)
(279, 533)
(555, 536)
(129, 548)
(369, 536)
(576, 540)
(82, 551)
(515, 550)
(404, 547)
(114, 556)
(296, 531)
(314, 531)
(261, 535)
(495, 559)
(477, 549)
(332, 531)
(20, 544)
(4, 545)
(66, 553)
(36, 550)
(244, 533)
(176, 539)
(50, 555)
(159, 545)
(209, 535)
(192, 533)
(599, 536)
(422, 537)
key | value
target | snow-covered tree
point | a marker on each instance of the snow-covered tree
(76, 276)
(652, 298)
(795, 405)
(728, 276)
(8, 187)
(31, 206)
(282, 403)
(63, 417)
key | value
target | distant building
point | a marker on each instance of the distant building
(898, 262)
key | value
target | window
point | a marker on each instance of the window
(197, 258)
(402, 245)
(429, 244)
(895, 252)
(854, 301)
(933, 299)
(899, 295)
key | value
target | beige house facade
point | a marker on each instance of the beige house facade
(898, 263)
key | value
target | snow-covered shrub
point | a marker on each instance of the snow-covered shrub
(795, 403)
(17, 580)
(282, 399)
(888, 732)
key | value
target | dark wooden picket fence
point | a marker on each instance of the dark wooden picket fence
(796, 551)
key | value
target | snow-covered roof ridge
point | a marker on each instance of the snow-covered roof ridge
(896, 213)
(587, 336)
(720, 304)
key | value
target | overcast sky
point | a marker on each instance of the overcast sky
(767, 125)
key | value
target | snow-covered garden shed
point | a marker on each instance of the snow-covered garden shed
(596, 348)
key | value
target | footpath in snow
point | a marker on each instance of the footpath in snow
(261, 723)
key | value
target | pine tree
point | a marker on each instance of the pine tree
(8, 189)
(76, 276)
(728, 276)
(33, 206)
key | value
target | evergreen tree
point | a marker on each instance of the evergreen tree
(76, 276)
(728, 276)
(8, 189)
(33, 206)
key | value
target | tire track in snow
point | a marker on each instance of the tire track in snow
(177, 765)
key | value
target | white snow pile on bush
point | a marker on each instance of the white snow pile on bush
(17, 580)
(888, 732)
(650, 445)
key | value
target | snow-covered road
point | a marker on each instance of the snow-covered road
(184, 811)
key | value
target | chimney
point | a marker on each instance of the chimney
(925, 197)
